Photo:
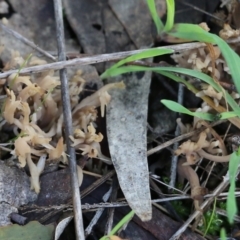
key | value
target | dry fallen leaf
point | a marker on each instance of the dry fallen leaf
(126, 131)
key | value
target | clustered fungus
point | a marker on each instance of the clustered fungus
(202, 148)
(34, 112)
(207, 145)
(197, 192)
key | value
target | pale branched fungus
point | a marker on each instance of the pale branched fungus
(197, 192)
(190, 149)
(35, 171)
(203, 148)
(227, 32)
(211, 92)
(33, 110)
(84, 116)
(100, 98)
(88, 143)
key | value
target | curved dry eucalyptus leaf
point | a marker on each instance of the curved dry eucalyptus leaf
(126, 130)
(61, 226)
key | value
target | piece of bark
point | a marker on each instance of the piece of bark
(116, 37)
(86, 21)
(40, 22)
(136, 19)
(14, 191)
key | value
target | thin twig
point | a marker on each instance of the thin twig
(98, 214)
(176, 144)
(97, 59)
(96, 184)
(96, 206)
(68, 122)
(201, 10)
(110, 214)
(26, 41)
(167, 205)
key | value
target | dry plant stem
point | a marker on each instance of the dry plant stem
(201, 10)
(209, 174)
(87, 206)
(68, 122)
(97, 59)
(167, 205)
(96, 184)
(110, 214)
(26, 41)
(177, 133)
(98, 214)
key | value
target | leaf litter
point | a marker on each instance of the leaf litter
(33, 114)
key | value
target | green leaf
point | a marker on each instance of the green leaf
(231, 200)
(206, 79)
(33, 230)
(170, 15)
(155, 17)
(223, 234)
(120, 224)
(153, 52)
(196, 33)
(210, 222)
(190, 72)
(176, 107)
(192, 32)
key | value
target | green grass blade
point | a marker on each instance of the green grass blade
(196, 33)
(223, 234)
(170, 15)
(153, 52)
(231, 203)
(158, 23)
(211, 218)
(178, 79)
(231, 200)
(190, 72)
(191, 32)
(206, 79)
(120, 224)
(176, 107)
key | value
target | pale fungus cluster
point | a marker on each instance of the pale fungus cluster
(32, 108)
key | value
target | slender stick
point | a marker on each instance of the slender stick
(98, 214)
(97, 59)
(26, 41)
(68, 122)
(176, 144)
